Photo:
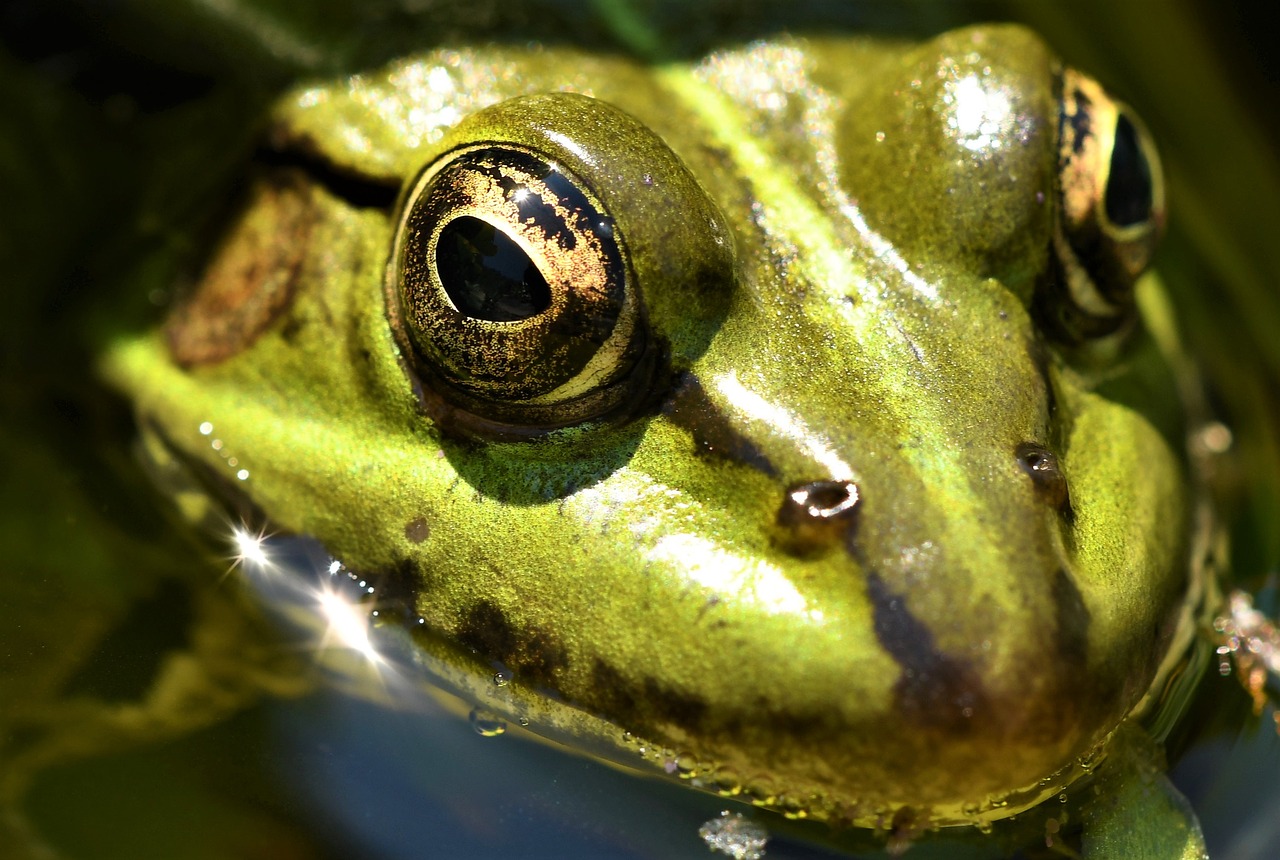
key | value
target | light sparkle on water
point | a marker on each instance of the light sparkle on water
(348, 624)
(250, 548)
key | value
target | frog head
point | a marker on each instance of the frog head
(789, 410)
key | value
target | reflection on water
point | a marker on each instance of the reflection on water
(372, 762)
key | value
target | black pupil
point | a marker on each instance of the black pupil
(1129, 183)
(487, 275)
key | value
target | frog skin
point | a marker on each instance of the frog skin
(831, 451)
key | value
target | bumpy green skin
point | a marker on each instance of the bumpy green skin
(871, 323)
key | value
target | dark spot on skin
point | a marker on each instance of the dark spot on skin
(417, 530)
(609, 691)
(645, 707)
(1073, 620)
(1041, 465)
(794, 724)
(1039, 355)
(672, 706)
(531, 653)
(935, 689)
(291, 329)
(713, 434)
(1081, 121)
(400, 583)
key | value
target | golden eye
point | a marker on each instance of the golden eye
(515, 291)
(1110, 210)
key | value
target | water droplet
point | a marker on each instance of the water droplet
(792, 807)
(761, 790)
(487, 724)
(524, 722)
(725, 780)
(686, 766)
(1090, 760)
(984, 827)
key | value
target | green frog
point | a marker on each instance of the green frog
(801, 420)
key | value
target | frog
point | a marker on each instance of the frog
(814, 434)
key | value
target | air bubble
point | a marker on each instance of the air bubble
(487, 724)
(762, 791)
(792, 807)
(726, 783)
(501, 679)
(735, 835)
(1090, 760)
(686, 766)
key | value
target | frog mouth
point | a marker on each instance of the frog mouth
(205, 496)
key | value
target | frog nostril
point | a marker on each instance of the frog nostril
(814, 513)
(1041, 465)
(822, 500)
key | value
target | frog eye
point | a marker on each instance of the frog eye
(514, 289)
(1110, 210)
